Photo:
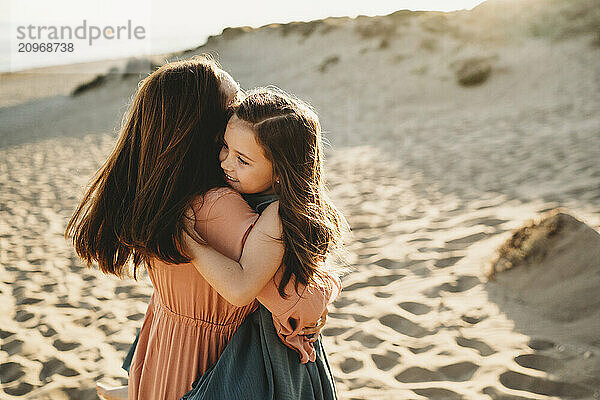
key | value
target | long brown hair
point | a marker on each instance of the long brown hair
(290, 134)
(165, 156)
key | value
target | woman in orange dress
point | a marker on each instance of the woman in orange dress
(133, 214)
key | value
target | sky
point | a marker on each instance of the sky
(171, 25)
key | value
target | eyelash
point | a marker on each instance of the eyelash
(240, 159)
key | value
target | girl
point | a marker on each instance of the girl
(272, 144)
(164, 161)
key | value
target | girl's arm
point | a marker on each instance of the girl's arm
(262, 254)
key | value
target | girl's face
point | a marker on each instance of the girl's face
(243, 160)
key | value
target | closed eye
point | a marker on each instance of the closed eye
(241, 160)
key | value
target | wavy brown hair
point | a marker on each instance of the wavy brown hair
(290, 134)
(166, 155)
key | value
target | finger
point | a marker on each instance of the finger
(308, 331)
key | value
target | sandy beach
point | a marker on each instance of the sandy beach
(447, 133)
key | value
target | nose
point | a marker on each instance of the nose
(224, 157)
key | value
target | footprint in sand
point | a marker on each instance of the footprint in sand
(373, 281)
(438, 394)
(457, 372)
(61, 345)
(23, 316)
(462, 284)
(518, 381)
(539, 362)
(335, 331)
(46, 330)
(540, 344)
(4, 334)
(487, 221)
(496, 394)
(418, 374)
(415, 308)
(48, 287)
(478, 345)
(12, 347)
(20, 390)
(356, 317)
(29, 301)
(473, 318)
(351, 364)
(386, 361)
(447, 262)
(419, 350)
(11, 371)
(136, 316)
(55, 366)
(365, 339)
(404, 326)
(466, 241)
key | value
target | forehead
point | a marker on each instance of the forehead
(241, 138)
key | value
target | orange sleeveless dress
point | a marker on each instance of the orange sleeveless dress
(188, 324)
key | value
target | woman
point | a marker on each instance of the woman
(133, 213)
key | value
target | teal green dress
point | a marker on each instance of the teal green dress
(256, 364)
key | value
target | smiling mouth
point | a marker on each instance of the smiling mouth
(229, 178)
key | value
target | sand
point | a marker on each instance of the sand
(433, 177)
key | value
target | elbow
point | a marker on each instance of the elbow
(240, 298)
(240, 301)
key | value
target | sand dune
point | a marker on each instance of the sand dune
(433, 176)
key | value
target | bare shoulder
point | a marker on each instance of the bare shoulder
(269, 221)
(225, 196)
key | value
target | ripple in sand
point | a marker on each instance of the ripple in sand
(539, 362)
(438, 394)
(404, 326)
(415, 308)
(386, 361)
(11, 371)
(478, 345)
(351, 364)
(518, 381)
